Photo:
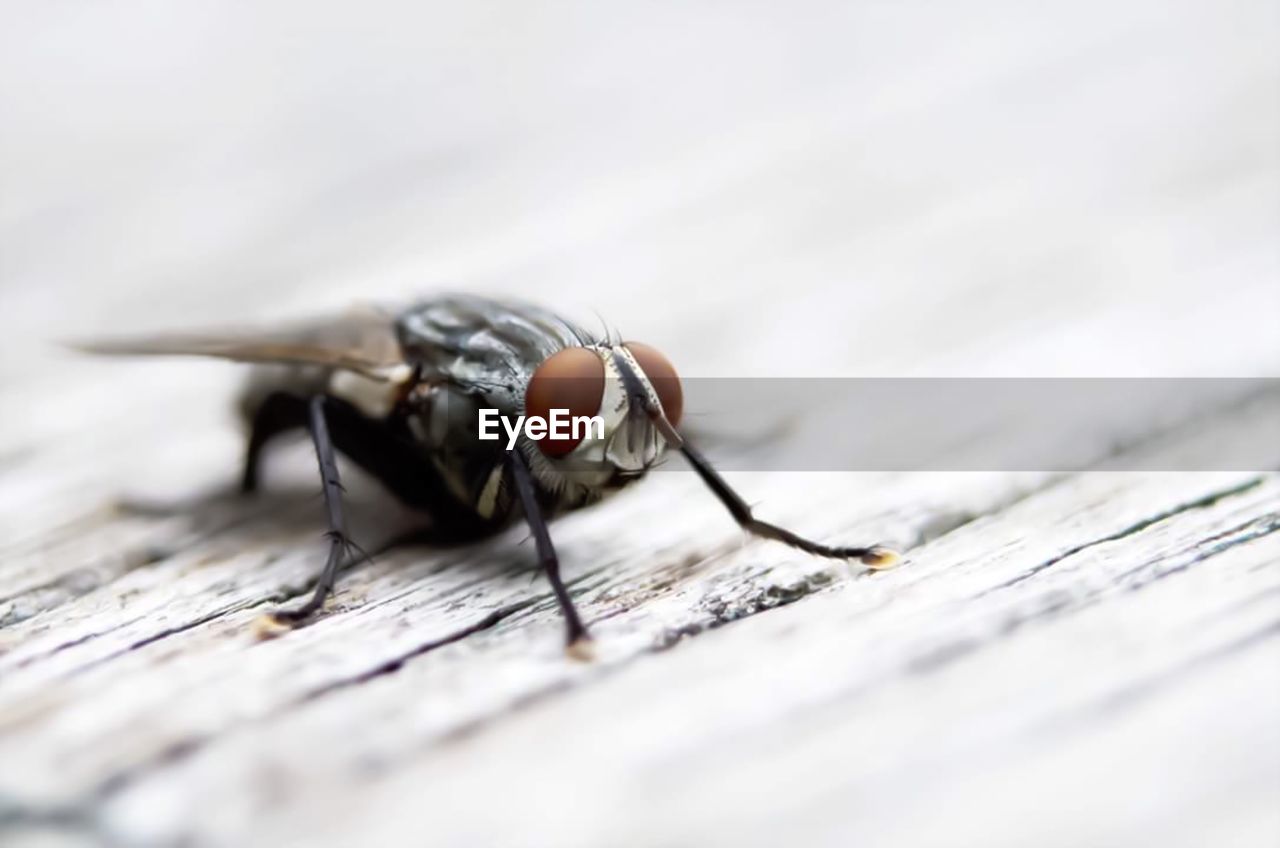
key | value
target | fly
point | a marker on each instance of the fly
(400, 394)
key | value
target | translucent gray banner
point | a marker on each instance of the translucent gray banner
(931, 424)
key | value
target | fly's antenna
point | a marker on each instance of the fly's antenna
(668, 432)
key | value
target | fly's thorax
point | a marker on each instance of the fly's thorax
(443, 417)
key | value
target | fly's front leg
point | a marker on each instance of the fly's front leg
(332, 487)
(875, 556)
(579, 641)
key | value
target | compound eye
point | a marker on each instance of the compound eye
(662, 375)
(573, 380)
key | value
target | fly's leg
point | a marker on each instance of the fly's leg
(579, 641)
(875, 556)
(337, 534)
(276, 414)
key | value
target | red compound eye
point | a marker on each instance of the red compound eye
(662, 375)
(571, 379)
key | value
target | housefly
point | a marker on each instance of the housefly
(400, 394)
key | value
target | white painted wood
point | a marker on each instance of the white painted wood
(825, 190)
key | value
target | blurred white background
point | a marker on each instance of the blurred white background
(874, 188)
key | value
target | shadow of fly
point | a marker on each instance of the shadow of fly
(403, 394)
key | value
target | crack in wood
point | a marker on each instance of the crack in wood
(722, 610)
(84, 814)
(282, 596)
(1053, 606)
(1199, 503)
(81, 640)
(141, 643)
(17, 818)
(155, 637)
(1241, 534)
(394, 664)
(82, 581)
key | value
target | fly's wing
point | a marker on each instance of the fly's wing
(363, 341)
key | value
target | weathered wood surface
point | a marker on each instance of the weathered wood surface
(844, 189)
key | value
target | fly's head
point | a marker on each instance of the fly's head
(636, 395)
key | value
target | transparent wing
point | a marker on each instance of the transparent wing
(362, 340)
